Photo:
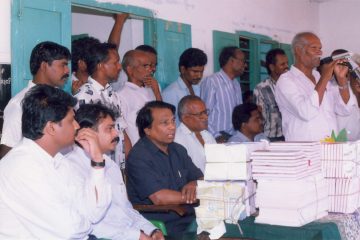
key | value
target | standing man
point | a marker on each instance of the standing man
(221, 92)
(121, 221)
(307, 102)
(140, 88)
(159, 171)
(48, 65)
(40, 196)
(192, 132)
(191, 67)
(104, 67)
(264, 93)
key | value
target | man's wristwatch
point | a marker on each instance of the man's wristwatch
(98, 164)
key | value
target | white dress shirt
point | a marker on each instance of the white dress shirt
(351, 123)
(11, 131)
(133, 98)
(42, 198)
(193, 146)
(303, 117)
(94, 92)
(121, 221)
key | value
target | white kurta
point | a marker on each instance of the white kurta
(133, 98)
(194, 148)
(303, 117)
(11, 131)
(121, 221)
(42, 198)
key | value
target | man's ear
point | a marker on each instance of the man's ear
(182, 69)
(43, 66)
(147, 131)
(272, 67)
(82, 65)
(50, 128)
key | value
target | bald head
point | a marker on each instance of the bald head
(301, 40)
(137, 66)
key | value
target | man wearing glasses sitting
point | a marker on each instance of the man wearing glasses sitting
(192, 132)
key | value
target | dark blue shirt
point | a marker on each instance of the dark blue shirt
(150, 170)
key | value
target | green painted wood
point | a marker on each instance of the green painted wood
(170, 40)
(135, 12)
(287, 48)
(34, 21)
(265, 46)
(221, 40)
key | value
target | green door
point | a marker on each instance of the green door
(221, 40)
(34, 21)
(171, 40)
(288, 51)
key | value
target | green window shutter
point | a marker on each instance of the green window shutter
(265, 46)
(34, 21)
(221, 40)
(170, 40)
(287, 48)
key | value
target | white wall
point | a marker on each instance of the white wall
(336, 21)
(5, 31)
(339, 25)
(100, 27)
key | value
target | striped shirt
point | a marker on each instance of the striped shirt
(221, 95)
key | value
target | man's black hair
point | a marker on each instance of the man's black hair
(80, 49)
(42, 104)
(241, 114)
(145, 119)
(192, 57)
(99, 53)
(89, 115)
(226, 54)
(271, 57)
(47, 52)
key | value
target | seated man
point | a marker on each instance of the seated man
(40, 196)
(248, 123)
(121, 220)
(192, 132)
(159, 170)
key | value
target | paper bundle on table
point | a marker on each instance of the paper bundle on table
(343, 194)
(339, 160)
(229, 161)
(223, 200)
(292, 202)
(291, 190)
(284, 164)
(340, 163)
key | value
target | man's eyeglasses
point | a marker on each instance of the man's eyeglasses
(199, 114)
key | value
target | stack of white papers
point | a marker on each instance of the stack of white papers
(284, 164)
(344, 194)
(291, 190)
(229, 161)
(339, 160)
(340, 166)
(292, 202)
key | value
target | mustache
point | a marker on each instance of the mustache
(65, 76)
(116, 139)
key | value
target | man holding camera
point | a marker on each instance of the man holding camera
(307, 102)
